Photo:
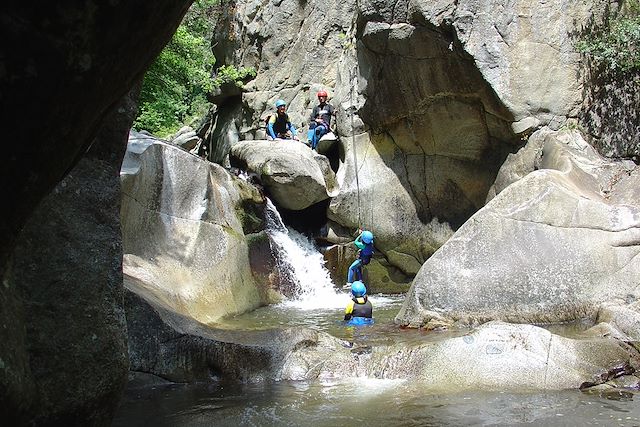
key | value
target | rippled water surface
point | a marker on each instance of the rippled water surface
(362, 401)
(330, 319)
(365, 402)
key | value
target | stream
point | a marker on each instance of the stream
(316, 303)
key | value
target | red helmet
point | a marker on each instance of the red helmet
(322, 93)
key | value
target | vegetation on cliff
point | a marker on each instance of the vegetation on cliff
(616, 44)
(175, 86)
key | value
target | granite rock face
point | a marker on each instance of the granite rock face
(67, 274)
(295, 176)
(183, 230)
(431, 99)
(550, 247)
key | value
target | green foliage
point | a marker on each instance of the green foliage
(175, 86)
(617, 44)
(230, 74)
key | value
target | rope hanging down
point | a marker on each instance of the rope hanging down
(353, 147)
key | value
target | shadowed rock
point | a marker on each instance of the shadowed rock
(64, 68)
(68, 275)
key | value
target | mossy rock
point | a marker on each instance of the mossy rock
(382, 277)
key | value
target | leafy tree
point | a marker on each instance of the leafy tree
(231, 74)
(617, 44)
(174, 88)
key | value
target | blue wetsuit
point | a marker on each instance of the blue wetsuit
(364, 256)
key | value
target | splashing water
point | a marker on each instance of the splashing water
(301, 265)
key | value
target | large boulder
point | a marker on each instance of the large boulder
(496, 356)
(549, 248)
(183, 231)
(294, 175)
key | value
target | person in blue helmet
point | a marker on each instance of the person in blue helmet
(320, 120)
(364, 242)
(359, 311)
(279, 125)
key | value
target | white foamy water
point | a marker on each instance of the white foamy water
(302, 265)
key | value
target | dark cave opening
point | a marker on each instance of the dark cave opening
(310, 221)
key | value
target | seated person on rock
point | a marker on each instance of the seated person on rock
(359, 310)
(320, 120)
(364, 242)
(279, 125)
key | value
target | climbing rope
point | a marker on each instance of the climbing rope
(353, 147)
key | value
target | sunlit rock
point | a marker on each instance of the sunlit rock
(186, 138)
(431, 97)
(496, 356)
(625, 318)
(182, 227)
(295, 176)
(550, 247)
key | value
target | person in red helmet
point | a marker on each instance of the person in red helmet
(320, 120)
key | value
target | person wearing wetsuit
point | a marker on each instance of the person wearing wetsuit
(364, 242)
(279, 125)
(359, 310)
(320, 120)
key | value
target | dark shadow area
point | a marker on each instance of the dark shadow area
(309, 221)
(335, 154)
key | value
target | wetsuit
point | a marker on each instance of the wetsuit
(316, 130)
(279, 125)
(364, 256)
(359, 308)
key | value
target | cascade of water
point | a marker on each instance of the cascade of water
(301, 266)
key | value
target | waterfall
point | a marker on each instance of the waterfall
(303, 275)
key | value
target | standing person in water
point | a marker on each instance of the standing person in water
(364, 242)
(359, 310)
(279, 125)
(320, 120)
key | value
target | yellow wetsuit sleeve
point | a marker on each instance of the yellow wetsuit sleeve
(272, 119)
(349, 308)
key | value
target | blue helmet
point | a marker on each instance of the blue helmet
(280, 103)
(358, 289)
(367, 237)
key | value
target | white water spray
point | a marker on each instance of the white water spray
(302, 265)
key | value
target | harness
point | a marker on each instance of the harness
(280, 123)
(362, 307)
